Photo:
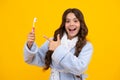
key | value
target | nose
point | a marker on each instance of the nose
(71, 23)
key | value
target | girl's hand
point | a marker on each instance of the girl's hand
(53, 44)
(30, 39)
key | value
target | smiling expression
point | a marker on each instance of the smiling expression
(72, 25)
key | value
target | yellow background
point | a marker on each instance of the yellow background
(16, 17)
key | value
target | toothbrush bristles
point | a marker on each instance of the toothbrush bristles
(35, 19)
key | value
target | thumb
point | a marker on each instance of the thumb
(58, 37)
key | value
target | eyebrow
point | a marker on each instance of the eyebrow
(69, 18)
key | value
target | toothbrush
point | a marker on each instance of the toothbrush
(34, 21)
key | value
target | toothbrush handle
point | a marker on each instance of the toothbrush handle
(33, 29)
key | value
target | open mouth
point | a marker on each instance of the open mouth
(72, 29)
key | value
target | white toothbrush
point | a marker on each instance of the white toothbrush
(34, 21)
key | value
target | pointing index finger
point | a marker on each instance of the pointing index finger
(46, 38)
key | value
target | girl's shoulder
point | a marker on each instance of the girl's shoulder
(88, 45)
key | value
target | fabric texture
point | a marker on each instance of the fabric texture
(68, 44)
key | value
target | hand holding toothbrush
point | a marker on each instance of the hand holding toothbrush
(31, 35)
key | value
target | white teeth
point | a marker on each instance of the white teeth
(72, 29)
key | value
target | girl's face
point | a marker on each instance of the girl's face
(72, 25)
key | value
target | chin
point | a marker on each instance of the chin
(72, 36)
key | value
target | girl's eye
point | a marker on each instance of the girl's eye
(76, 21)
(67, 21)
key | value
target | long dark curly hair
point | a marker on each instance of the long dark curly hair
(81, 34)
